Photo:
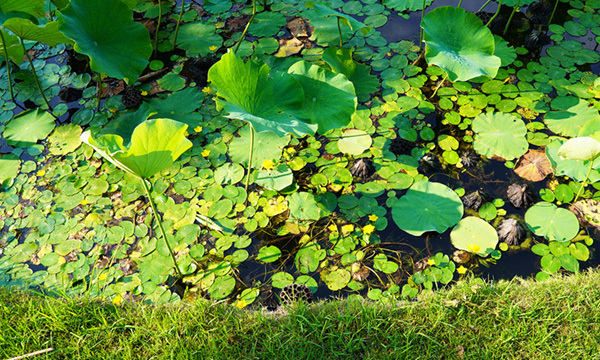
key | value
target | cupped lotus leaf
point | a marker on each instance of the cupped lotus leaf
(329, 99)
(571, 115)
(247, 92)
(474, 235)
(28, 127)
(575, 169)
(13, 47)
(155, 145)
(427, 206)
(403, 5)
(198, 38)
(21, 8)
(554, 223)
(580, 148)
(354, 142)
(105, 31)
(324, 10)
(458, 42)
(341, 62)
(499, 134)
(47, 34)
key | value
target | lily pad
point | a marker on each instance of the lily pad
(28, 127)
(64, 139)
(275, 179)
(303, 206)
(474, 235)
(354, 142)
(9, 168)
(554, 223)
(222, 287)
(105, 31)
(499, 134)
(427, 206)
(534, 166)
(266, 24)
(268, 254)
(337, 279)
(571, 115)
(457, 41)
(198, 38)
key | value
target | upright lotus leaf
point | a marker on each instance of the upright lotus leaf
(155, 145)
(13, 47)
(427, 206)
(570, 116)
(28, 127)
(475, 235)
(499, 134)
(247, 92)
(580, 148)
(554, 223)
(403, 5)
(329, 99)
(47, 34)
(341, 62)
(458, 42)
(105, 31)
(575, 169)
(21, 8)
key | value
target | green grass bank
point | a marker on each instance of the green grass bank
(519, 319)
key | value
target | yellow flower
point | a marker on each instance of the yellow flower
(117, 300)
(186, 133)
(333, 228)
(84, 202)
(373, 217)
(206, 90)
(102, 276)
(268, 164)
(348, 228)
(198, 129)
(41, 173)
(368, 229)
(205, 153)
(461, 270)
(241, 304)
(213, 48)
(430, 262)
(474, 248)
(144, 93)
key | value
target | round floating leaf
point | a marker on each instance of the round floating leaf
(64, 139)
(554, 223)
(354, 142)
(267, 146)
(534, 166)
(571, 116)
(276, 179)
(427, 206)
(499, 134)
(337, 279)
(474, 235)
(268, 254)
(457, 41)
(507, 54)
(266, 24)
(9, 168)
(580, 148)
(105, 31)
(222, 287)
(28, 127)
(220, 209)
(229, 174)
(198, 38)
(303, 206)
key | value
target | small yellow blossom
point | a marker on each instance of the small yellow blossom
(113, 110)
(461, 270)
(144, 93)
(269, 164)
(117, 300)
(41, 173)
(373, 217)
(213, 48)
(186, 133)
(430, 262)
(290, 151)
(474, 248)
(347, 229)
(198, 129)
(333, 228)
(206, 90)
(368, 229)
(102, 276)
(205, 153)
(84, 202)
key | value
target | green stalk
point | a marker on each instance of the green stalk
(177, 26)
(496, 14)
(158, 26)
(251, 153)
(421, 26)
(515, 8)
(237, 46)
(459, 3)
(162, 230)
(438, 87)
(99, 92)
(553, 11)
(484, 5)
(584, 181)
(37, 82)
(340, 32)
(10, 88)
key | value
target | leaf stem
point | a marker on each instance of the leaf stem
(237, 46)
(177, 26)
(459, 3)
(10, 88)
(553, 11)
(340, 32)
(158, 26)
(162, 230)
(439, 85)
(37, 81)
(484, 5)
(496, 14)
(251, 154)
(584, 181)
(421, 25)
(99, 91)
(515, 8)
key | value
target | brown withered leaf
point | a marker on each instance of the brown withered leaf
(534, 166)
(289, 47)
(298, 27)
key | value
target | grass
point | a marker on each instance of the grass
(555, 319)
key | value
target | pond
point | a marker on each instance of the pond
(295, 142)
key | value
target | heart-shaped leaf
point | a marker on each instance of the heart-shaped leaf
(475, 235)
(499, 134)
(28, 127)
(198, 38)
(554, 223)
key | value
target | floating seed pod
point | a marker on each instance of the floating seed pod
(296, 292)
(400, 146)
(362, 168)
(475, 199)
(132, 97)
(69, 94)
(469, 158)
(521, 195)
(536, 39)
(511, 232)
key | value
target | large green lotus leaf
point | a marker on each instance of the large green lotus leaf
(267, 146)
(323, 10)
(580, 148)
(47, 34)
(571, 116)
(13, 46)
(403, 5)
(329, 99)
(266, 24)
(9, 169)
(180, 106)
(427, 206)
(499, 134)
(475, 235)
(457, 41)
(155, 145)
(554, 223)
(247, 92)
(341, 62)
(507, 54)
(575, 169)
(21, 8)
(28, 127)
(275, 179)
(105, 31)
(198, 38)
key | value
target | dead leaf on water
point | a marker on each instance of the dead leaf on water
(534, 166)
